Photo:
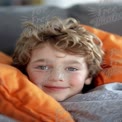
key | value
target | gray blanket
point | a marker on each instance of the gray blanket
(103, 104)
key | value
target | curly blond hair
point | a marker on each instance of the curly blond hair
(65, 35)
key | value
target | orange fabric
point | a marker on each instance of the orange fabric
(112, 64)
(24, 101)
(5, 58)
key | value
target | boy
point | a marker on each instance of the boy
(59, 56)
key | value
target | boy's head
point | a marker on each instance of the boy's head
(59, 56)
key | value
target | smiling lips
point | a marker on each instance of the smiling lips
(55, 88)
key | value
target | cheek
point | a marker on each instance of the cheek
(76, 79)
(36, 77)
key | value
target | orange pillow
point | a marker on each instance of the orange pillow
(5, 58)
(24, 101)
(112, 64)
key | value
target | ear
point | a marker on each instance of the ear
(88, 81)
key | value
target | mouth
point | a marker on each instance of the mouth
(55, 88)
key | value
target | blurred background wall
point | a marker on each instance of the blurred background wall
(59, 3)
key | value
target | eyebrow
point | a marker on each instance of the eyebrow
(41, 60)
(65, 62)
(72, 62)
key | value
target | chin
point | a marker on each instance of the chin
(59, 99)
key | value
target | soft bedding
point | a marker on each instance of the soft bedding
(103, 104)
(4, 118)
(112, 62)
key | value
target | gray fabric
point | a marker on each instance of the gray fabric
(6, 119)
(103, 104)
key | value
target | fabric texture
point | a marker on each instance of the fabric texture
(5, 59)
(103, 104)
(112, 62)
(4, 118)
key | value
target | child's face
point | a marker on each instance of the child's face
(58, 74)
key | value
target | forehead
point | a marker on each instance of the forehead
(46, 51)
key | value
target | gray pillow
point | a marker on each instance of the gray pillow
(107, 17)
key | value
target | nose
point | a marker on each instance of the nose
(56, 75)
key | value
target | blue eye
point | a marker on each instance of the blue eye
(43, 67)
(71, 69)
